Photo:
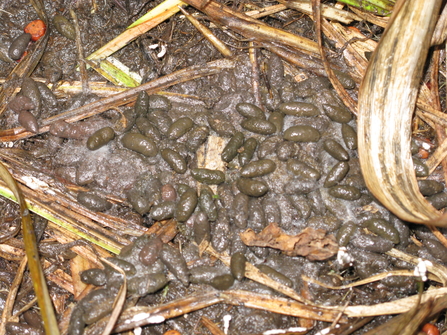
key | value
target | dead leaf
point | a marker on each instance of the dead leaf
(311, 243)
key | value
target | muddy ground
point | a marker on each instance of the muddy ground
(307, 176)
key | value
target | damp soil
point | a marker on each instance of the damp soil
(292, 162)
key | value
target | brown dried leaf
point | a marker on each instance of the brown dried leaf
(311, 243)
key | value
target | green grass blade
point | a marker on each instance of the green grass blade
(379, 7)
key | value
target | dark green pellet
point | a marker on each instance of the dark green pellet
(28, 121)
(140, 143)
(299, 109)
(302, 134)
(142, 104)
(247, 151)
(251, 187)
(64, 27)
(355, 180)
(179, 128)
(337, 114)
(345, 192)
(258, 168)
(147, 128)
(29, 89)
(202, 229)
(439, 200)
(259, 126)
(196, 138)
(420, 168)
(414, 147)
(100, 138)
(175, 262)
(175, 160)
(231, 149)
(300, 186)
(277, 119)
(93, 202)
(349, 136)
(95, 277)
(207, 203)
(159, 102)
(161, 120)
(327, 222)
(222, 282)
(345, 233)
(18, 46)
(186, 205)
(237, 265)
(430, 187)
(250, 111)
(150, 252)
(335, 149)
(163, 211)
(436, 248)
(337, 173)
(147, 284)
(239, 210)
(128, 268)
(139, 201)
(46, 94)
(303, 170)
(182, 188)
(345, 79)
(275, 275)
(383, 229)
(301, 204)
(207, 176)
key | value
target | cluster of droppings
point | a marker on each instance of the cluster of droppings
(292, 162)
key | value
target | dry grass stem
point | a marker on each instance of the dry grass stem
(211, 326)
(380, 276)
(436, 158)
(387, 99)
(256, 14)
(434, 268)
(140, 316)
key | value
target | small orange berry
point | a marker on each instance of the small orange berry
(422, 153)
(36, 28)
(430, 329)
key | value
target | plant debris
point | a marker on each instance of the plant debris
(314, 244)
